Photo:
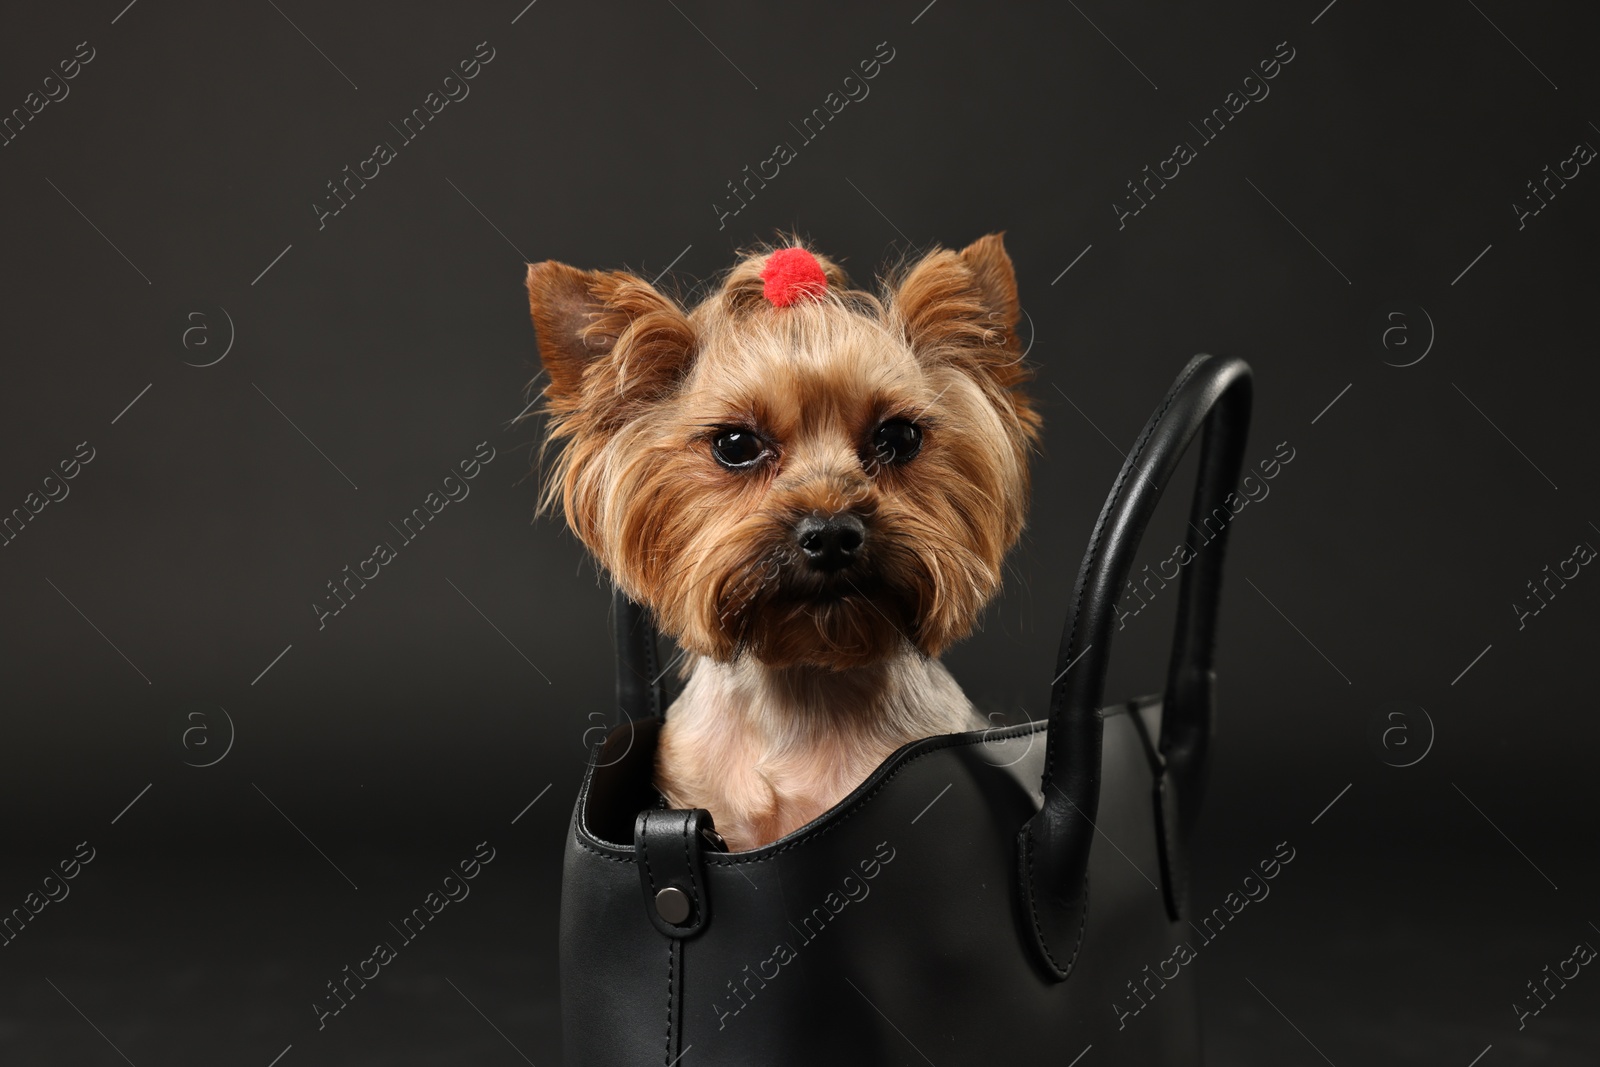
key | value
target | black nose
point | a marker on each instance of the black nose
(831, 543)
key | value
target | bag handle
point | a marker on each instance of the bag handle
(640, 693)
(1053, 846)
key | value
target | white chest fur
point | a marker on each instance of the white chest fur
(766, 751)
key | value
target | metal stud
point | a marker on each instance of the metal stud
(673, 905)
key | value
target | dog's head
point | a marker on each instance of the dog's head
(810, 475)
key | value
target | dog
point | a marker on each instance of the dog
(813, 490)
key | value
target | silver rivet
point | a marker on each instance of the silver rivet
(672, 904)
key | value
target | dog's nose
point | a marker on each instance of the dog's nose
(830, 543)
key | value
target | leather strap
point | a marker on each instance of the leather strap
(1053, 846)
(669, 846)
(640, 694)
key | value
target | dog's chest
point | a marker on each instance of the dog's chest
(767, 755)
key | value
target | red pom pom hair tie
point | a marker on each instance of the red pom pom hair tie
(792, 273)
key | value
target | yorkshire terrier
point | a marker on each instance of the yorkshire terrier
(811, 487)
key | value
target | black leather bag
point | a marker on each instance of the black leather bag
(941, 913)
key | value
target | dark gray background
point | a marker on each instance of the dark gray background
(186, 557)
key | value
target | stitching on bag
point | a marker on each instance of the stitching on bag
(644, 857)
(688, 862)
(1100, 524)
(853, 809)
(629, 860)
(1033, 910)
(672, 952)
(1033, 913)
(728, 859)
(1083, 921)
(578, 832)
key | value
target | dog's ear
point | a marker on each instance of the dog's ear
(607, 336)
(963, 300)
(986, 258)
(961, 309)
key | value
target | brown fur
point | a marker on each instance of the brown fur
(801, 682)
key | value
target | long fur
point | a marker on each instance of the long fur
(800, 683)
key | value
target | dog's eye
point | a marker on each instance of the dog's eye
(896, 441)
(737, 449)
